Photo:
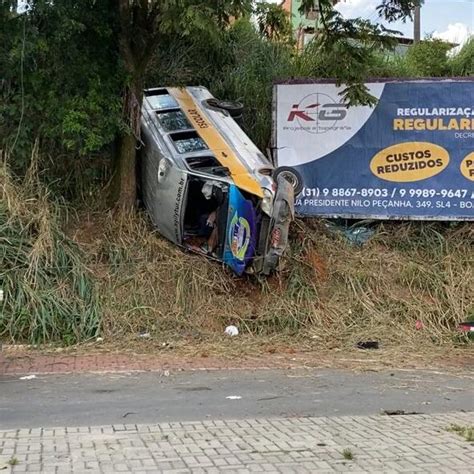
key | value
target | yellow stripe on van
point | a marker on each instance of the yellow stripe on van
(216, 143)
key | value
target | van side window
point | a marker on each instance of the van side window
(173, 121)
(208, 165)
(186, 142)
(202, 162)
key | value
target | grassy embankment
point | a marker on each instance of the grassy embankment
(70, 278)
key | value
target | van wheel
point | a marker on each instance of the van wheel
(234, 108)
(292, 176)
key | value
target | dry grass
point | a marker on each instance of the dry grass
(124, 277)
(328, 294)
(48, 294)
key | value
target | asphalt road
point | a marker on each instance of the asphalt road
(91, 399)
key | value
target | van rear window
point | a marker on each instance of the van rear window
(173, 121)
(186, 142)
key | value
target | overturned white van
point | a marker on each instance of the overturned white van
(206, 186)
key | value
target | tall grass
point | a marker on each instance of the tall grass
(328, 292)
(462, 64)
(48, 292)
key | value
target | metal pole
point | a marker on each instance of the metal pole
(417, 25)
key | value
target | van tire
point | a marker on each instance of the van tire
(292, 176)
(234, 108)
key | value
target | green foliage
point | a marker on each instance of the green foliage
(393, 10)
(273, 21)
(254, 65)
(62, 81)
(429, 58)
(462, 64)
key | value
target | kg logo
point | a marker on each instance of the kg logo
(317, 113)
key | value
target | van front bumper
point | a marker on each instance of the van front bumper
(275, 231)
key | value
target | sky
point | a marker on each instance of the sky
(450, 20)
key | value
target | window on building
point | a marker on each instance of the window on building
(312, 14)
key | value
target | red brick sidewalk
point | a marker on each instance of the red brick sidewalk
(31, 363)
(22, 362)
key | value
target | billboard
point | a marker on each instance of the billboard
(409, 157)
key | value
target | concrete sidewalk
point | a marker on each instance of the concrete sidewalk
(410, 443)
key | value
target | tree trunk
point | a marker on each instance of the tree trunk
(123, 186)
(137, 41)
(123, 190)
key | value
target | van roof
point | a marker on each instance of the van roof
(192, 129)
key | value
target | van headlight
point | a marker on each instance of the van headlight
(267, 202)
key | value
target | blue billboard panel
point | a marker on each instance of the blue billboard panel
(409, 157)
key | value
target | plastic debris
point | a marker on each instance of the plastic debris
(368, 345)
(233, 397)
(356, 234)
(231, 330)
(145, 335)
(467, 326)
(28, 377)
(400, 412)
(419, 324)
(99, 339)
(1, 295)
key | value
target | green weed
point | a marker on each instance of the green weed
(467, 432)
(347, 454)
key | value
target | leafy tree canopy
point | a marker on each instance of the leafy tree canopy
(73, 71)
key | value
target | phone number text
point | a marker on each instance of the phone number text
(388, 193)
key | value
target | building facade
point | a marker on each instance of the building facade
(304, 25)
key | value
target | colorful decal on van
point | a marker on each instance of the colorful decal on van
(240, 234)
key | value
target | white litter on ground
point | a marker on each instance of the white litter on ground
(231, 331)
(28, 377)
(233, 397)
